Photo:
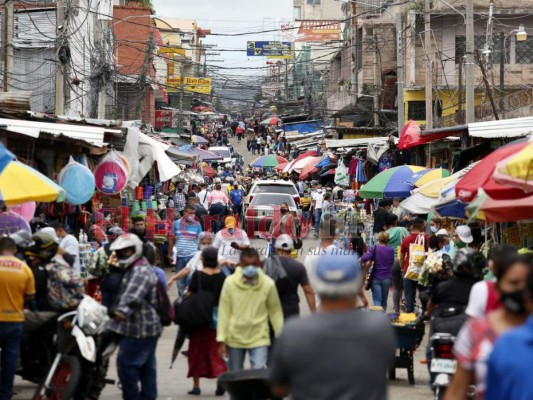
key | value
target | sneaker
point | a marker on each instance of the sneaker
(195, 392)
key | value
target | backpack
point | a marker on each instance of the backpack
(65, 286)
(236, 196)
(164, 307)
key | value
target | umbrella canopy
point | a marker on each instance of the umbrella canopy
(198, 139)
(268, 161)
(517, 170)
(210, 172)
(390, 183)
(311, 153)
(429, 175)
(481, 177)
(20, 183)
(309, 167)
(203, 155)
(434, 188)
(328, 172)
(508, 210)
(281, 166)
(323, 162)
(270, 121)
(419, 203)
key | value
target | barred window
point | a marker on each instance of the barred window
(313, 1)
(460, 46)
(524, 51)
(416, 110)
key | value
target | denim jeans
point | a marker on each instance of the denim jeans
(409, 291)
(136, 364)
(307, 217)
(380, 292)
(318, 215)
(397, 284)
(10, 339)
(258, 358)
(217, 212)
(181, 262)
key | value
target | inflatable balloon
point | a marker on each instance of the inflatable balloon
(111, 175)
(11, 222)
(25, 210)
(78, 181)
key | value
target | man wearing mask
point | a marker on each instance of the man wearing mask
(180, 199)
(68, 243)
(186, 231)
(285, 224)
(236, 196)
(318, 200)
(461, 239)
(250, 297)
(230, 242)
(306, 206)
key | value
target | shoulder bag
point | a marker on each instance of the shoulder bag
(196, 310)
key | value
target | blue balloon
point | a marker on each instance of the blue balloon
(78, 181)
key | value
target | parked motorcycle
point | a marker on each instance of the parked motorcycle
(80, 362)
(443, 362)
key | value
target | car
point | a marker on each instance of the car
(263, 209)
(225, 152)
(272, 186)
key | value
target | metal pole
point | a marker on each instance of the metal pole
(502, 70)
(286, 79)
(182, 90)
(469, 68)
(377, 79)
(60, 78)
(400, 73)
(429, 76)
(487, 85)
(9, 61)
(353, 25)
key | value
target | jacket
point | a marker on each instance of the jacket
(244, 312)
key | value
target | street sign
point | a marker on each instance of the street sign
(190, 84)
(171, 50)
(261, 49)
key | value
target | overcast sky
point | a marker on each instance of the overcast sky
(229, 17)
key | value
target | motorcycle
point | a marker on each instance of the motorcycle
(79, 365)
(443, 363)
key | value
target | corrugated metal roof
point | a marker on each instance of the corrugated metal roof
(505, 128)
(92, 135)
(333, 143)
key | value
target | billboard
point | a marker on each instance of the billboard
(164, 119)
(190, 84)
(312, 31)
(269, 49)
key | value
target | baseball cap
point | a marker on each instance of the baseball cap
(442, 232)
(230, 222)
(235, 183)
(337, 273)
(50, 232)
(464, 233)
(284, 242)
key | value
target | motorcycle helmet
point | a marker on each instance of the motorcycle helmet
(127, 241)
(22, 239)
(44, 247)
(469, 263)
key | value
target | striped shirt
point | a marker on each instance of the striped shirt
(186, 237)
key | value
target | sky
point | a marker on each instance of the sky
(230, 17)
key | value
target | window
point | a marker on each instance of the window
(297, 11)
(416, 110)
(524, 51)
(314, 2)
(460, 47)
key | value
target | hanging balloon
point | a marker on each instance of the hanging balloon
(78, 181)
(110, 174)
(25, 210)
(11, 222)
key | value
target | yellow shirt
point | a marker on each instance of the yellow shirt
(16, 280)
(306, 202)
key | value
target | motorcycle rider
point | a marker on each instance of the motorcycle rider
(136, 321)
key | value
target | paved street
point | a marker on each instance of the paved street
(173, 384)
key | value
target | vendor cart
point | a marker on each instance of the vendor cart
(408, 338)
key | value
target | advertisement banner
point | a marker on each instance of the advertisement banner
(269, 49)
(190, 84)
(163, 119)
(316, 31)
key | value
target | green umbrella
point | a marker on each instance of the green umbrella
(268, 161)
(390, 183)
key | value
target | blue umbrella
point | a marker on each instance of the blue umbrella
(322, 163)
(454, 208)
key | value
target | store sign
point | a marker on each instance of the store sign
(164, 119)
(190, 84)
(171, 50)
(315, 31)
(269, 49)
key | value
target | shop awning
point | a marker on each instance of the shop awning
(93, 135)
(505, 128)
(335, 144)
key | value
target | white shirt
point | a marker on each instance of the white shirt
(202, 195)
(71, 245)
(223, 242)
(477, 302)
(319, 198)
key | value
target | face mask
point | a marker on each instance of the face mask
(231, 231)
(514, 302)
(250, 271)
(283, 210)
(190, 219)
(319, 190)
(460, 244)
(433, 229)
(204, 246)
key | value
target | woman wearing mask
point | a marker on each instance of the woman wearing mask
(218, 203)
(286, 224)
(478, 335)
(306, 206)
(435, 224)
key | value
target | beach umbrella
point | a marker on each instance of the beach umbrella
(508, 210)
(418, 203)
(20, 183)
(308, 167)
(421, 178)
(481, 176)
(390, 183)
(203, 155)
(270, 121)
(311, 153)
(198, 139)
(322, 163)
(268, 161)
(517, 169)
(281, 166)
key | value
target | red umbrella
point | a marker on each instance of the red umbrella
(309, 167)
(311, 153)
(508, 210)
(208, 171)
(481, 177)
(280, 167)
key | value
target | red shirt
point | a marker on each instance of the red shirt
(405, 247)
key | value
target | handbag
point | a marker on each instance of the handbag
(417, 256)
(196, 310)
(369, 277)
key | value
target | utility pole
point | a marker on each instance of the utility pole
(182, 94)
(353, 25)
(469, 67)
(286, 79)
(377, 81)
(502, 70)
(487, 85)
(400, 71)
(429, 77)
(9, 62)
(60, 78)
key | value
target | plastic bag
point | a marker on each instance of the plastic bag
(417, 256)
(110, 174)
(341, 174)
(78, 181)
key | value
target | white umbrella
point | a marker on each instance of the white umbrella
(418, 203)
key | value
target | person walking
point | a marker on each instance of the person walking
(286, 224)
(306, 207)
(136, 321)
(317, 357)
(383, 258)
(203, 358)
(180, 199)
(318, 199)
(186, 231)
(230, 241)
(236, 196)
(17, 286)
(202, 195)
(218, 203)
(248, 303)
(396, 235)
(254, 144)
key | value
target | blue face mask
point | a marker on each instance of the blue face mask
(250, 271)
(231, 231)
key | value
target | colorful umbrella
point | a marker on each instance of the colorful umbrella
(198, 139)
(270, 121)
(309, 167)
(311, 153)
(268, 161)
(203, 155)
(20, 183)
(421, 178)
(517, 170)
(390, 183)
(281, 166)
(481, 177)
(508, 210)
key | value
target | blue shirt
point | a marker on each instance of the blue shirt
(186, 237)
(509, 365)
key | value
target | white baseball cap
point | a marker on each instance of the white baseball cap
(284, 242)
(442, 232)
(464, 233)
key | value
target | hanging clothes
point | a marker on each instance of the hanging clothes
(352, 169)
